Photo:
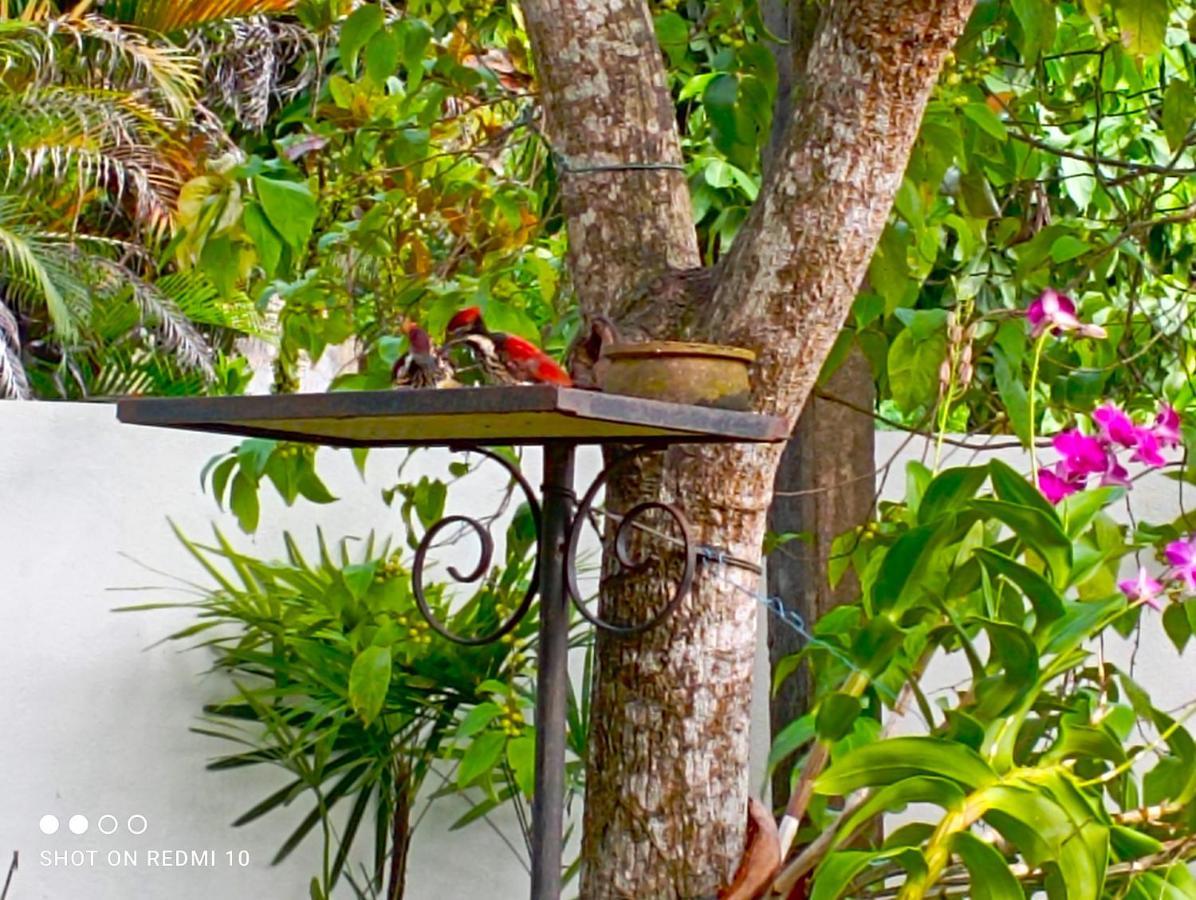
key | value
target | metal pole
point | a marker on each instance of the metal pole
(548, 804)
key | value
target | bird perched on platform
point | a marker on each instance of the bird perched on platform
(423, 365)
(504, 358)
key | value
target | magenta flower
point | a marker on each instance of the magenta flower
(1143, 589)
(1182, 556)
(1055, 484)
(1115, 426)
(1147, 451)
(1082, 455)
(1057, 312)
(1166, 426)
(1116, 475)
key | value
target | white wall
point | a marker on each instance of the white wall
(95, 721)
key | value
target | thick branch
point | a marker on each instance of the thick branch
(792, 274)
(606, 102)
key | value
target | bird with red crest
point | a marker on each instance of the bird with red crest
(423, 365)
(503, 358)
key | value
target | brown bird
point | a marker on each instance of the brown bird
(505, 358)
(585, 359)
(423, 365)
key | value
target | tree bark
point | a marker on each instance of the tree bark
(825, 486)
(666, 783)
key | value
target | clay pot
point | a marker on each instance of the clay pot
(680, 372)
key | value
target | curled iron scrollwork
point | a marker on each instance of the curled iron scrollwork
(485, 558)
(629, 524)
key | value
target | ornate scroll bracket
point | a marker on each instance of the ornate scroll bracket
(625, 557)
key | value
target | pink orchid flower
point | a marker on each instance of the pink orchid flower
(1166, 426)
(1115, 426)
(1056, 484)
(1082, 455)
(1116, 475)
(1147, 450)
(1057, 312)
(1182, 556)
(1143, 589)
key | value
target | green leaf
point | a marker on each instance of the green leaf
(480, 757)
(836, 715)
(1179, 110)
(949, 490)
(1143, 25)
(1047, 602)
(478, 718)
(891, 760)
(1038, 531)
(369, 679)
(268, 242)
(893, 798)
(290, 207)
(836, 873)
(987, 868)
(244, 503)
(914, 369)
(1038, 23)
(521, 757)
(416, 36)
(895, 581)
(719, 102)
(1014, 487)
(1067, 247)
(672, 31)
(382, 54)
(987, 120)
(356, 30)
(791, 738)
(1177, 626)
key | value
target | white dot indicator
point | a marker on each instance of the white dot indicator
(48, 824)
(107, 824)
(78, 824)
(137, 825)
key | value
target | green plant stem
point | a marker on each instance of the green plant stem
(1030, 404)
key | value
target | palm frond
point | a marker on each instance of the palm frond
(174, 332)
(101, 140)
(29, 271)
(14, 383)
(168, 16)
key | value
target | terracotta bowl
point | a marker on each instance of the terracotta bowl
(680, 372)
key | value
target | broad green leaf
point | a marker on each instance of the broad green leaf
(989, 871)
(1143, 25)
(1067, 247)
(521, 757)
(897, 578)
(836, 873)
(480, 757)
(266, 240)
(893, 798)
(1013, 487)
(290, 207)
(905, 757)
(243, 502)
(1047, 602)
(478, 718)
(1179, 111)
(949, 490)
(914, 369)
(987, 120)
(382, 54)
(1038, 531)
(369, 680)
(356, 30)
(672, 31)
(1038, 22)
(791, 738)
(836, 714)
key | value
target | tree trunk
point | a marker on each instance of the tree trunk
(666, 783)
(825, 486)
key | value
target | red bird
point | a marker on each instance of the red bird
(506, 358)
(422, 366)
